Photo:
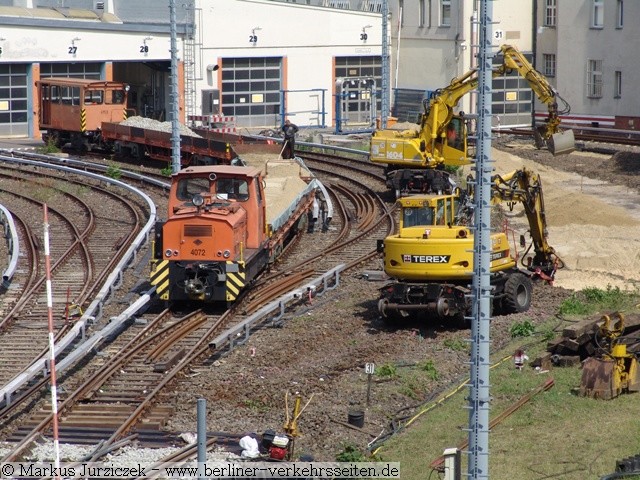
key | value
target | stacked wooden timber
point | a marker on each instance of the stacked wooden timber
(583, 339)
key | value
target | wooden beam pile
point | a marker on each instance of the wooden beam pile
(580, 341)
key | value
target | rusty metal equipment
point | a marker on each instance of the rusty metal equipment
(616, 371)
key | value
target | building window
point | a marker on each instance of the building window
(594, 79)
(445, 13)
(597, 20)
(618, 85)
(619, 14)
(549, 60)
(421, 13)
(550, 13)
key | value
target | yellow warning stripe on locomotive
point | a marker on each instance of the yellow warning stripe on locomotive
(235, 280)
(160, 278)
(83, 120)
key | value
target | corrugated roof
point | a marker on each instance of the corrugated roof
(59, 14)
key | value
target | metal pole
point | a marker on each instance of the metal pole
(386, 74)
(52, 350)
(175, 120)
(478, 465)
(202, 435)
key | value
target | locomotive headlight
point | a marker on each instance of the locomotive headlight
(226, 254)
(167, 253)
(198, 200)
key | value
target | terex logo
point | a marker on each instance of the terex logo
(426, 258)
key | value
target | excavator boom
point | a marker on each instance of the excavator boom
(441, 139)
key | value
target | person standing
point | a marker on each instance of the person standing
(289, 129)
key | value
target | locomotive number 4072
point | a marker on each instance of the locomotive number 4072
(198, 252)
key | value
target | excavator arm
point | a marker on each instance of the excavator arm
(439, 109)
(523, 186)
(441, 139)
(515, 60)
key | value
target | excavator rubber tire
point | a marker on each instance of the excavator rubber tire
(518, 290)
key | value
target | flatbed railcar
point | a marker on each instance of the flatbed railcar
(143, 143)
(93, 115)
(226, 224)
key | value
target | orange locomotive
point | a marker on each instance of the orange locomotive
(72, 110)
(226, 224)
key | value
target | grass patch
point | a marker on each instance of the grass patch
(456, 344)
(592, 300)
(586, 436)
(557, 434)
(387, 370)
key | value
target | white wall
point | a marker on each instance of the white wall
(309, 37)
(37, 45)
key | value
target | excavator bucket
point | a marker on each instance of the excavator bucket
(600, 379)
(562, 143)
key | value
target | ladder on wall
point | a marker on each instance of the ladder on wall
(190, 45)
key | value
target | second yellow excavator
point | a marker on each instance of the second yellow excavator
(411, 156)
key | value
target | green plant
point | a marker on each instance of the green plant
(430, 368)
(49, 147)
(350, 453)
(256, 405)
(409, 390)
(574, 306)
(113, 171)
(387, 370)
(166, 171)
(522, 329)
(455, 344)
(547, 334)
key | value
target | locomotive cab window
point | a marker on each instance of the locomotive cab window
(188, 187)
(95, 97)
(70, 95)
(116, 97)
(232, 188)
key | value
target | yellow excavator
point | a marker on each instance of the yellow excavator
(430, 259)
(410, 156)
(615, 371)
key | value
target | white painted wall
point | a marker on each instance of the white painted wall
(309, 37)
(39, 45)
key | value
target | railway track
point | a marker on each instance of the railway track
(607, 137)
(83, 417)
(83, 248)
